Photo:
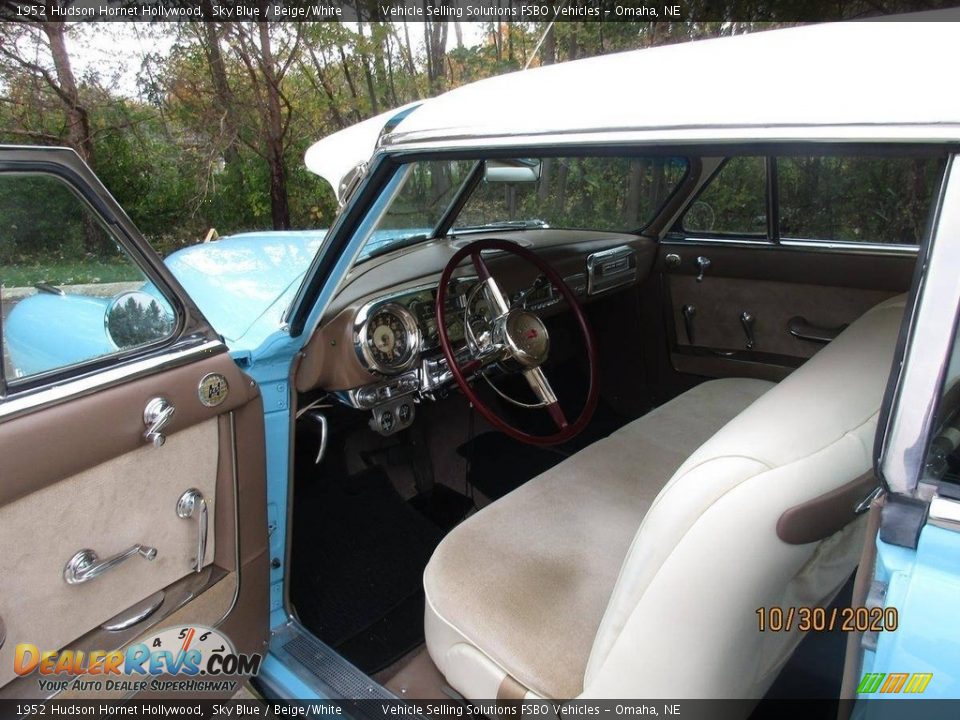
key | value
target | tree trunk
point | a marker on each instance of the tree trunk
(78, 121)
(328, 89)
(549, 54)
(221, 88)
(631, 208)
(279, 204)
(348, 76)
(367, 72)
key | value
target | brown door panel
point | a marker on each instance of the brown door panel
(719, 302)
(80, 474)
(773, 285)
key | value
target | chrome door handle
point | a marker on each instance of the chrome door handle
(156, 415)
(703, 264)
(86, 564)
(189, 504)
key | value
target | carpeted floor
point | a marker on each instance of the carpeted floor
(358, 560)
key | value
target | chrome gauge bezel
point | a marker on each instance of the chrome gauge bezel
(411, 331)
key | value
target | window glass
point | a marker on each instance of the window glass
(734, 202)
(943, 455)
(427, 191)
(856, 198)
(596, 193)
(621, 194)
(68, 291)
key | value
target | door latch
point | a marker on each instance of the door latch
(156, 416)
(192, 503)
(703, 264)
(688, 312)
(747, 320)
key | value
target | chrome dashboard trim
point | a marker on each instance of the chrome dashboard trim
(378, 303)
(29, 401)
(411, 329)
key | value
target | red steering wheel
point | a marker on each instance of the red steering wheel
(521, 339)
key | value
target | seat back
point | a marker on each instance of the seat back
(682, 619)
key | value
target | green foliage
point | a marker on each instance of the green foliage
(79, 272)
(734, 202)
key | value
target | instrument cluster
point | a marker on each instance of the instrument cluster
(391, 332)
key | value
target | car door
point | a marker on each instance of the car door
(909, 573)
(781, 248)
(132, 492)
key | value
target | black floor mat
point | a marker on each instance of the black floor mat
(815, 670)
(357, 566)
(500, 464)
(443, 506)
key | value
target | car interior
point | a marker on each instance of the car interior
(571, 420)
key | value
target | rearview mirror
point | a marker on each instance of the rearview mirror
(520, 170)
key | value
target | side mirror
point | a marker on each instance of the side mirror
(521, 170)
(137, 318)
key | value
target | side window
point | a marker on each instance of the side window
(943, 455)
(69, 293)
(856, 198)
(734, 202)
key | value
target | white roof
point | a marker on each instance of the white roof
(831, 75)
(337, 154)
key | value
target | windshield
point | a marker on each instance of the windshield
(612, 193)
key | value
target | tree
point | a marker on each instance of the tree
(253, 45)
(40, 50)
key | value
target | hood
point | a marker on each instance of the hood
(244, 283)
(337, 156)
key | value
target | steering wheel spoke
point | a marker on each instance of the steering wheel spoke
(501, 305)
(541, 387)
(521, 338)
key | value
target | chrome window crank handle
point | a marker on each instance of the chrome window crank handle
(189, 505)
(86, 565)
(156, 416)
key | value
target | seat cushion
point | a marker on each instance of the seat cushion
(520, 588)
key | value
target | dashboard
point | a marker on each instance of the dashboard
(378, 347)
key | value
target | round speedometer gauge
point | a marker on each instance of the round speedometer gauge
(389, 339)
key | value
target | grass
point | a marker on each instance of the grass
(68, 273)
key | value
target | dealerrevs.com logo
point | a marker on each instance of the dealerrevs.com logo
(197, 657)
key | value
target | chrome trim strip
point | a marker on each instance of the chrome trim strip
(928, 348)
(138, 613)
(853, 248)
(944, 513)
(236, 521)
(103, 379)
(706, 135)
(685, 240)
(824, 246)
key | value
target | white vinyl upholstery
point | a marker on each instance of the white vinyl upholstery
(635, 568)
